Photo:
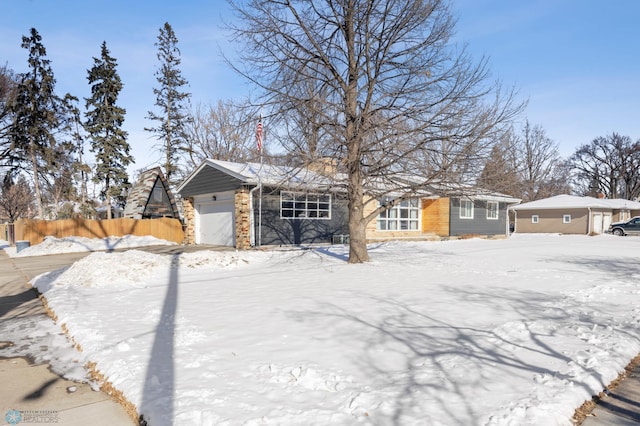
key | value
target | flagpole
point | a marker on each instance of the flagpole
(259, 140)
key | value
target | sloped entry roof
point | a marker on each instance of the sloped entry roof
(151, 197)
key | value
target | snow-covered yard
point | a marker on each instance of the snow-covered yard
(470, 332)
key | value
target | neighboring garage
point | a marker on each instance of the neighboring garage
(570, 214)
(215, 219)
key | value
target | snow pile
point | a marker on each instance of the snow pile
(474, 332)
(53, 245)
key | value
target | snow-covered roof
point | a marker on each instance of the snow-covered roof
(565, 201)
(300, 177)
(253, 173)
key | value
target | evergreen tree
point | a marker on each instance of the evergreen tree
(36, 111)
(104, 121)
(170, 99)
(81, 169)
(8, 84)
(500, 172)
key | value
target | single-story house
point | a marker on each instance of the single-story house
(247, 204)
(570, 214)
(151, 197)
(479, 213)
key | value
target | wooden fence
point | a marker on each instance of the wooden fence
(34, 231)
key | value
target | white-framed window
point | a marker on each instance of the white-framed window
(466, 209)
(404, 216)
(566, 218)
(492, 210)
(304, 205)
(535, 218)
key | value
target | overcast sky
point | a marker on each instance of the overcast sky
(576, 61)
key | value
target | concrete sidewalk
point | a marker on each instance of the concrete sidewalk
(31, 393)
(621, 406)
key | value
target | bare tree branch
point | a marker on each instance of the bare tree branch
(386, 91)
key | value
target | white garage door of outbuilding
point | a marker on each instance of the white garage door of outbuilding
(601, 222)
(215, 221)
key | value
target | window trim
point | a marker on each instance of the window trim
(302, 205)
(535, 218)
(566, 218)
(397, 219)
(465, 201)
(497, 211)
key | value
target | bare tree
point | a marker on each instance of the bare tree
(16, 198)
(608, 165)
(388, 89)
(222, 131)
(542, 170)
(526, 164)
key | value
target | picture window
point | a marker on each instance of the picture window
(297, 205)
(404, 216)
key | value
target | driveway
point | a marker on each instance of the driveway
(31, 341)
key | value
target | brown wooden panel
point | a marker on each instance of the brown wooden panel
(435, 216)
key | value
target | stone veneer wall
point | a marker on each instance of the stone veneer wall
(243, 219)
(189, 220)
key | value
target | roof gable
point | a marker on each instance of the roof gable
(151, 197)
(226, 175)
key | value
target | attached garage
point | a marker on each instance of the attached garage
(215, 219)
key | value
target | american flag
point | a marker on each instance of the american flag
(259, 135)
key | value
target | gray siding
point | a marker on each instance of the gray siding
(279, 231)
(479, 224)
(210, 180)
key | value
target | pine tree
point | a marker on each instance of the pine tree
(8, 84)
(500, 172)
(170, 99)
(104, 121)
(81, 169)
(36, 110)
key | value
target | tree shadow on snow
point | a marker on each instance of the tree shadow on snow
(443, 362)
(618, 267)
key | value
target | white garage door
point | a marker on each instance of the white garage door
(597, 223)
(216, 223)
(606, 221)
